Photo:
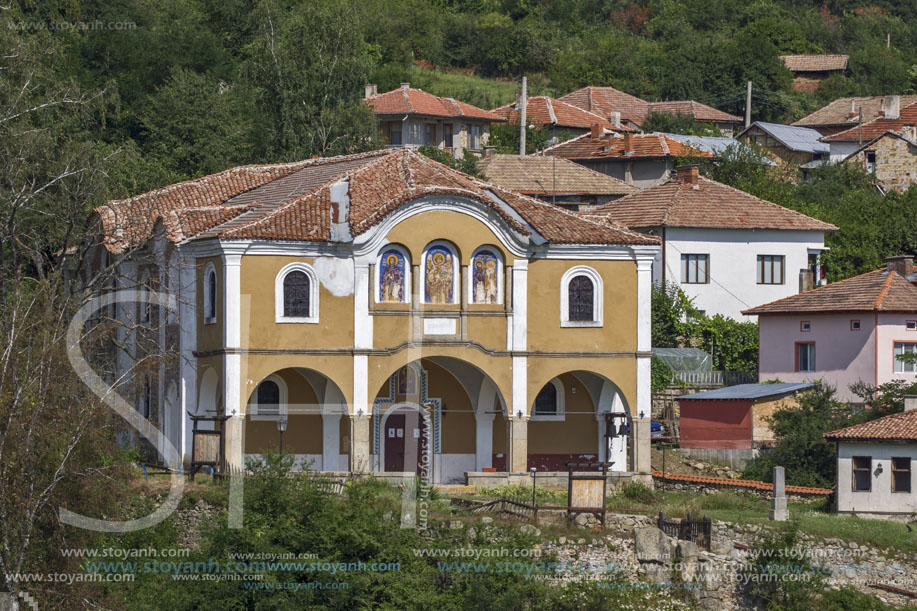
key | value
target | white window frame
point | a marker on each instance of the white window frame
(282, 408)
(903, 365)
(408, 287)
(208, 307)
(297, 266)
(597, 301)
(500, 273)
(456, 285)
(560, 416)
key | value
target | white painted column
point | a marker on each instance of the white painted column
(362, 321)
(643, 409)
(484, 441)
(360, 427)
(517, 426)
(187, 323)
(232, 359)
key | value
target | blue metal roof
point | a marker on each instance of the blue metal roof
(796, 138)
(749, 391)
(715, 145)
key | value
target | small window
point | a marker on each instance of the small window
(581, 299)
(474, 137)
(430, 138)
(901, 365)
(695, 269)
(805, 356)
(447, 135)
(296, 294)
(805, 326)
(210, 294)
(911, 325)
(854, 325)
(901, 474)
(546, 401)
(268, 398)
(146, 399)
(395, 133)
(862, 476)
(770, 269)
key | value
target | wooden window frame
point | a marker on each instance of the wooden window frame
(853, 473)
(759, 269)
(688, 259)
(899, 470)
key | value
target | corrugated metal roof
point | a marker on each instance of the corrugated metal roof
(795, 138)
(749, 391)
(715, 145)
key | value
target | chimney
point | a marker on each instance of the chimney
(615, 119)
(903, 264)
(596, 131)
(405, 85)
(910, 402)
(628, 143)
(891, 106)
(370, 90)
(909, 132)
(806, 280)
(688, 174)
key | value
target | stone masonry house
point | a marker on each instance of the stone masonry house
(891, 158)
(844, 113)
(413, 118)
(794, 149)
(810, 69)
(396, 316)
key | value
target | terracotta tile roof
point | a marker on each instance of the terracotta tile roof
(815, 62)
(542, 110)
(408, 101)
(700, 112)
(739, 483)
(679, 203)
(537, 174)
(896, 427)
(837, 112)
(293, 201)
(876, 291)
(605, 100)
(877, 127)
(612, 145)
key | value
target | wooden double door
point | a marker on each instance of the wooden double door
(406, 442)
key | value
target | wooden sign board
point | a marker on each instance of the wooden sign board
(207, 449)
(587, 493)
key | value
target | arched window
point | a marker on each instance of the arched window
(269, 401)
(485, 279)
(581, 298)
(296, 294)
(549, 403)
(394, 276)
(440, 275)
(210, 294)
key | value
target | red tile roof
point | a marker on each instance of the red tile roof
(408, 101)
(613, 145)
(678, 202)
(739, 483)
(877, 127)
(292, 202)
(700, 112)
(606, 100)
(537, 174)
(896, 427)
(876, 291)
(815, 62)
(542, 110)
(837, 112)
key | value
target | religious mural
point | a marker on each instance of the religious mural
(391, 277)
(439, 275)
(407, 381)
(484, 278)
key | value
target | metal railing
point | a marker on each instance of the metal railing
(714, 378)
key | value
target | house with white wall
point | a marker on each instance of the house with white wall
(726, 249)
(875, 465)
(842, 333)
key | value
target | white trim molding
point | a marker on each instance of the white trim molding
(500, 273)
(560, 414)
(377, 281)
(597, 301)
(282, 407)
(305, 268)
(456, 286)
(209, 306)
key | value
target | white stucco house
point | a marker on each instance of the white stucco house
(726, 249)
(842, 333)
(875, 465)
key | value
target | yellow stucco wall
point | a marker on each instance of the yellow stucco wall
(209, 335)
(576, 434)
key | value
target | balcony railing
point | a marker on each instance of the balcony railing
(714, 378)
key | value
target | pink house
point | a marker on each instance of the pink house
(845, 332)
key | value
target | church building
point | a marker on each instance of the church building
(383, 313)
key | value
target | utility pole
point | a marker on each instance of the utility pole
(748, 105)
(522, 119)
